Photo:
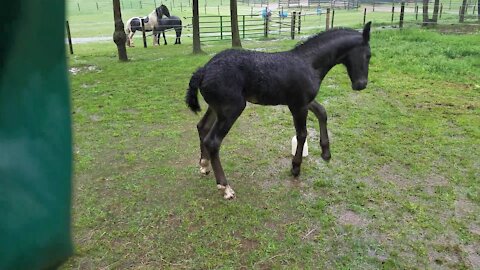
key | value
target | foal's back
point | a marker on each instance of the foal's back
(261, 78)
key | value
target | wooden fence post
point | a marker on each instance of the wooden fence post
(393, 12)
(441, 10)
(143, 34)
(67, 25)
(292, 30)
(78, 5)
(402, 12)
(416, 12)
(461, 14)
(333, 17)
(327, 20)
(97, 5)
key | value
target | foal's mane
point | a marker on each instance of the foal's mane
(324, 37)
(165, 10)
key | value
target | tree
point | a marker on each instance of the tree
(462, 11)
(196, 28)
(234, 23)
(436, 7)
(426, 20)
(119, 36)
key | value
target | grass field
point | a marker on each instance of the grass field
(88, 21)
(400, 192)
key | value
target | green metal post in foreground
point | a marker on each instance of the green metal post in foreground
(35, 137)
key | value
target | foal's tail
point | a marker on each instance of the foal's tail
(191, 97)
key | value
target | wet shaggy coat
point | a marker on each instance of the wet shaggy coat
(292, 78)
(283, 78)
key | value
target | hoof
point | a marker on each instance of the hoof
(204, 166)
(295, 171)
(326, 156)
(228, 192)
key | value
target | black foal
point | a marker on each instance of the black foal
(292, 78)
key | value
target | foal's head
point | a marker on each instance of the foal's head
(357, 60)
(162, 10)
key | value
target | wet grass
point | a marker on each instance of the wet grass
(401, 190)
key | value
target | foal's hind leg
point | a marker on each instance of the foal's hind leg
(226, 116)
(300, 121)
(203, 127)
(321, 115)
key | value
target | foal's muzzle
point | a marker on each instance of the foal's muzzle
(359, 85)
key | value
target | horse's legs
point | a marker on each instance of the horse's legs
(178, 32)
(226, 116)
(127, 31)
(203, 127)
(130, 39)
(156, 38)
(164, 39)
(321, 115)
(300, 121)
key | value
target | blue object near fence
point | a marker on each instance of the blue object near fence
(319, 11)
(266, 12)
(283, 14)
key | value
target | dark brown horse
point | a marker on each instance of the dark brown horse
(292, 78)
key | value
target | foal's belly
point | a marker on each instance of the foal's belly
(266, 97)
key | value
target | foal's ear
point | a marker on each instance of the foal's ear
(366, 32)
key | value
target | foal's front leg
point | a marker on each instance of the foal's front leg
(300, 121)
(321, 115)
(164, 39)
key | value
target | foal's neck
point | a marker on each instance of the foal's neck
(325, 53)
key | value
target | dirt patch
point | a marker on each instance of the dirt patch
(346, 217)
(247, 245)
(472, 253)
(474, 229)
(458, 29)
(275, 177)
(464, 208)
(351, 218)
(388, 173)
